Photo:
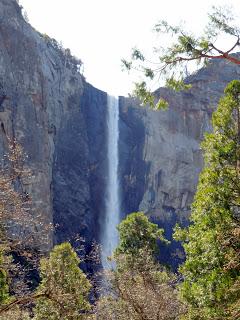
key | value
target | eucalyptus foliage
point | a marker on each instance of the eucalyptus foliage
(171, 62)
(211, 272)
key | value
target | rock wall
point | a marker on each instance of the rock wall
(79, 168)
(163, 160)
(60, 121)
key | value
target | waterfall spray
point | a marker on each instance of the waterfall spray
(109, 239)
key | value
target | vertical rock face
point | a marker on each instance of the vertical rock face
(161, 155)
(60, 121)
(133, 169)
(79, 168)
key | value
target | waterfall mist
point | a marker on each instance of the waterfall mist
(109, 234)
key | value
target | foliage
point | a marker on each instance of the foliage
(64, 285)
(64, 289)
(138, 288)
(17, 224)
(147, 97)
(4, 290)
(171, 62)
(137, 232)
(16, 227)
(142, 290)
(15, 213)
(141, 293)
(211, 272)
(15, 314)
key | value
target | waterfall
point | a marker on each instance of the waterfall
(109, 234)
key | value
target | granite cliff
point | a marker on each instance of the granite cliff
(161, 150)
(60, 120)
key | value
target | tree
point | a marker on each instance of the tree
(4, 289)
(143, 290)
(137, 232)
(16, 224)
(211, 273)
(15, 314)
(140, 288)
(186, 48)
(64, 286)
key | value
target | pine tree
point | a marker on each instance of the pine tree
(140, 288)
(211, 272)
(64, 285)
(137, 232)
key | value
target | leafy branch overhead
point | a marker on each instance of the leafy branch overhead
(186, 48)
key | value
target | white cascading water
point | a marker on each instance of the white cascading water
(109, 237)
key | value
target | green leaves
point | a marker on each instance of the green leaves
(211, 270)
(147, 98)
(149, 73)
(161, 105)
(4, 290)
(126, 64)
(137, 232)
(204, 44)
(232, 90)
(170, 62)
(144, 94)
(140, 290)
(140, 287)
(65, 285)
(187, 43)
(177, 85)
(220, 19)
(164, 27)
(137, 55)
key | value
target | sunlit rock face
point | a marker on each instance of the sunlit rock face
(161, 155)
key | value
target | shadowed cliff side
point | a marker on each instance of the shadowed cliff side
(59, 120)
(79, 171)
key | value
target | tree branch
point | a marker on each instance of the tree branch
(21, 301)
